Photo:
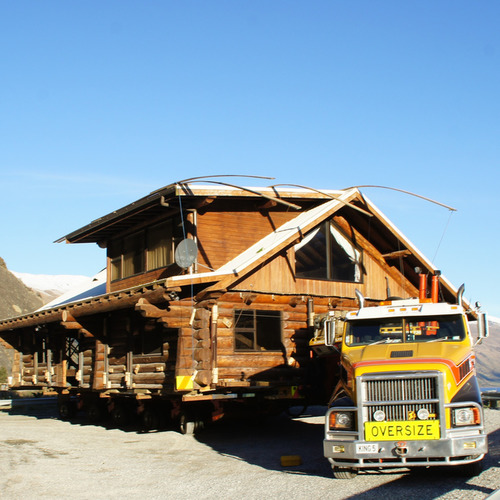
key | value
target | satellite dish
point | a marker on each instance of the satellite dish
(186, 253)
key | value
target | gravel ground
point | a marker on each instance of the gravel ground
(42, 457)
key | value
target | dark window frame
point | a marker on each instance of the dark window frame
(138, 258)
(260, 329)
(328, 259)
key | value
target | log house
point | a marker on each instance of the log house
(211, 296)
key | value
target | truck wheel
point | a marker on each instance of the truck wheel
(344, 472)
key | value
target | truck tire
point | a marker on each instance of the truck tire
(344, 472)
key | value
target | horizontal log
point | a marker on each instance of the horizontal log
(245, 361)
(185, 363)
(146, 378)
(148, 386)
(169, 322)
(117, 369)
(112, 360)
(145, 359)
(290, 325)
(148, 368)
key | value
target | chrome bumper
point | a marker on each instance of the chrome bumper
(448, 451)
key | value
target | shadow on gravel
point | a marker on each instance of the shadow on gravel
(264, 442)
(40, 408)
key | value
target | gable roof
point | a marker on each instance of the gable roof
(361, 209)
(181, 194)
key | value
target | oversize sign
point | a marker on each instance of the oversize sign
(409, 431)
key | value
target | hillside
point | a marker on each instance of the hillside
(15, 297)
(22, 293)
(487, 357)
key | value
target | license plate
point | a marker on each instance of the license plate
(405, 431)
(366, 448)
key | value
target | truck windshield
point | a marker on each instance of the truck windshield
(390, 330)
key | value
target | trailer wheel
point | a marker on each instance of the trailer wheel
(150, 419)
(95, 412)
(66, 409)
(344, 472)
(120, 415)
(186, 424)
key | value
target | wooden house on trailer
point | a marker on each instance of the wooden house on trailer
(211, 297)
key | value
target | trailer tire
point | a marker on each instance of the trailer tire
(186, 424)
(95, 412)
(344, 472)
(119, 415)
(150, 419)
(66, 409)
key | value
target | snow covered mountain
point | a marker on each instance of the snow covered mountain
(52, 286)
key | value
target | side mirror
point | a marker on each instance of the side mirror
(330, 332)
(482, 326)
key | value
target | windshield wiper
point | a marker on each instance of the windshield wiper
(385, 341)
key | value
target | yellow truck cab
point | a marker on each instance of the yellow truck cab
(408, 394)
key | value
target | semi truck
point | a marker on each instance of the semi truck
(407, 394)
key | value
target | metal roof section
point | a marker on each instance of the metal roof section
(93, 289)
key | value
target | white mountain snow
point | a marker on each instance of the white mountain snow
(52, 286)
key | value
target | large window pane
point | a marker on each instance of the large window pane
(311, 255)
(325, 253)
(159, 246)
(257, 330)
(133, 254)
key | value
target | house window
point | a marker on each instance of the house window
(159, 246)
(257, 330)
(145, 250)
(148, 344)
(325, 253)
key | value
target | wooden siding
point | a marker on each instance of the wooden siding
(238, 367)
(222, 236)
(278, 277)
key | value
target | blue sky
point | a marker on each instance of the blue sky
(103, 102)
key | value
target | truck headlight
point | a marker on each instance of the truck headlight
(466, 416)
(341, 420)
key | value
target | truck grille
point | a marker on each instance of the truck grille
(401, 397)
